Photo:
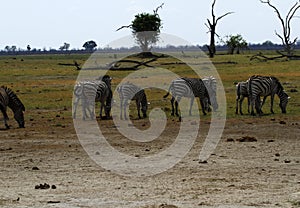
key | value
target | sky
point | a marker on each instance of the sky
(45, 24)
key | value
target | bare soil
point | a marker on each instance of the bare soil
(256, 164)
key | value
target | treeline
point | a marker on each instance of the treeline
(220, 48)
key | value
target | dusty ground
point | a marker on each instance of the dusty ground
(262, 173)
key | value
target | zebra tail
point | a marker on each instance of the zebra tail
(166, 95)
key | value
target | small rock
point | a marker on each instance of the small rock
(53, 187)
(203, 161)
(282, 122)
(271, 140)
(35, 168)
(277, 154)
(287, 161)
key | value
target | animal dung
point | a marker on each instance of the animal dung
(247, 139)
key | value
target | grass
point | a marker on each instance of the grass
(42, 83)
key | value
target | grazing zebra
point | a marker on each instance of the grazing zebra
(129, 91)
(90, 92)
(241, 93)
(265, 86)
(211, 86)
(9, 99)
(191, 88)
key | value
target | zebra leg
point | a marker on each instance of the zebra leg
(172, 103)
(272, 101)
(191, 105)
(101, 109)
(84, 106)
(258, 105)
(202, 106)
(176, 106)
(124, 108)
(75, 104)
(252, 103)
(138, 106)
(248, 101)
(236, 105)
(121, 109)
(5, 116)
(241, 104)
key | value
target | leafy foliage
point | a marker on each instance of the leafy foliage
(235, 42)
(89, 45)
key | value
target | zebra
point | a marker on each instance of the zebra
(241, 93)
(90, 92)
(211, 86)
(129, 91)
(9, 99)
(191, 88)
(265, 86)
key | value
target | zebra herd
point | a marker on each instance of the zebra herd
(99, 90)
(205, 89)
(257, 86)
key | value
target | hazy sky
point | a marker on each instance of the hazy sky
(50, 23)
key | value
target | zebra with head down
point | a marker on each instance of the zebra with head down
(9, 99)
(266, 86)
(191, 88)
(89, 92)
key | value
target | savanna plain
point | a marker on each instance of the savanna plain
(255, 164)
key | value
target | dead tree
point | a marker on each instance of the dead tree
(212, 29)
(286, 27)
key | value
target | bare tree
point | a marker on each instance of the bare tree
(212, 29)
(286, 26)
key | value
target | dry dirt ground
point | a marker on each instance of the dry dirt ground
(263, 170)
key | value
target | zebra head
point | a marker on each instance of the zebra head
(17, 107)
(284, 98)
(19, 116)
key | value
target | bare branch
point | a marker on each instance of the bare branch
(282, 39)
(223, 16)
(157, 8)
(290, 15)
(126, 26)
(277, 12)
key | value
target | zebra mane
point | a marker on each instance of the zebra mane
(14, 98)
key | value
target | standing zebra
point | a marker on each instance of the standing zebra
(129, 91)
(241, 93)
(265, 86)
(211, 86)
(191, 88)
(90, 92)
(9, 99)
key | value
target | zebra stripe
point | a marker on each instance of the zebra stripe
(191, 88)
(129, 91)
(9, 99)
(90, 92)
(266, 86)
